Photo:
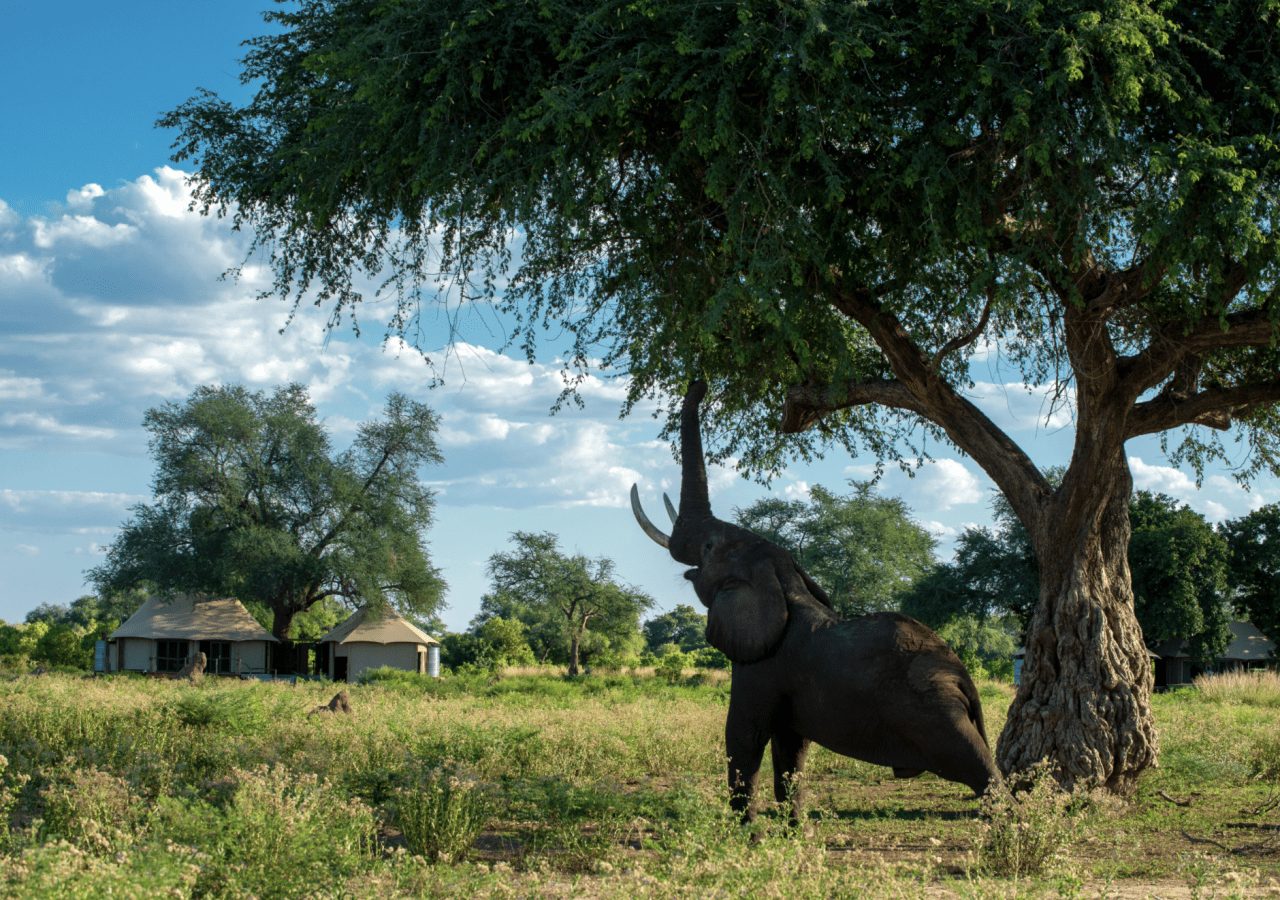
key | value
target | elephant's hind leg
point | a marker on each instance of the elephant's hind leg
(789, 750)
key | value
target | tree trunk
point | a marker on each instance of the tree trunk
(1084, 703)
(573, 653)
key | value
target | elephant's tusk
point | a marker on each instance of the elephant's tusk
(671, 510)
(648, 527)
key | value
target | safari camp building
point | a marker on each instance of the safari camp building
(167, 631)
(369, 640)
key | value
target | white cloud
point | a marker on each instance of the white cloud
(27, 549)
(81, 230)
(48, 425)
(13, 387)
(1161, 479)
(947, 483)
(1024, 407)
(796, 490)
(82, 198)
(61, 510)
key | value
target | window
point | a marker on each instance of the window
(217, 657)
(171, 656)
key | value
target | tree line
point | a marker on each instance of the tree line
(251, 500)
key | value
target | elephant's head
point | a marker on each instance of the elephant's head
(748, 584)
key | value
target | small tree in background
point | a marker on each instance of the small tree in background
(683, 626)
(537, 584)
(865, 551)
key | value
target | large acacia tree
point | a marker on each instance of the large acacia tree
(824, 207)
(252, 501)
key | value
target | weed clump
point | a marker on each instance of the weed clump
(1027, 825)
(442, 815)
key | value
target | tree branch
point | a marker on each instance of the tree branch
(808, 403)
(1248, 328)
(1213, 408)
(920, 388)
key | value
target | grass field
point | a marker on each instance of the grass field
(607, 786)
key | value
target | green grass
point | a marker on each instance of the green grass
(605, 786)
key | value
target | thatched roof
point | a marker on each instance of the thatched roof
(184, 617)
(387, 627)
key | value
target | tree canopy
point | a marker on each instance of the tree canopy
(866, 551)
(1255, 567)
(570, 605)
(251, 501)
(824, 208)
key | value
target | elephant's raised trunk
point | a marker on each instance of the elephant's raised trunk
(690, 523)
(695, 499)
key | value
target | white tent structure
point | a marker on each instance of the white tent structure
(167, 631)
(369, 640)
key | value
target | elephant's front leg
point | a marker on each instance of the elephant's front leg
(789, 750)
(744, 742)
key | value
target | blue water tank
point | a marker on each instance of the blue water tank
(433, 660)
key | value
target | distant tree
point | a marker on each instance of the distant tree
(1254, 541)
(536, 583)
(993, 574)
(684, 627)
(986, 645)
(1176, 560)
(865, 550)
(252, 502)
(1179, 566)
(63, 644)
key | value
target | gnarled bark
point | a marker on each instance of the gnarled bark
(1084, 703)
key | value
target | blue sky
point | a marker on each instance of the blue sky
(110, 303)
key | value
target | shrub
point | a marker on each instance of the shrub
(90, 808)
(671, 666)
(442, 815)
(288, 834)
(1026, 825)
(233, 710)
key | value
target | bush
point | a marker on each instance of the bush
(671, 666)
(90, 808)
(287, 834)
(1026, 825)
(442, 815)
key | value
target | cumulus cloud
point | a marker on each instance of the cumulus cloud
(1161, 479)
(949, 484)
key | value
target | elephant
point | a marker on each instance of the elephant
(882, 688)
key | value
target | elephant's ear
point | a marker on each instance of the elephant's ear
(746, 620)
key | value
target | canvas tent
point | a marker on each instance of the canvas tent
(166, 631)
(1249, 649)
(368, 640)
(1173, 665)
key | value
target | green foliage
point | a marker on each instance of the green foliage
(671, 665)
(236, 712)
(865, 551)
(1177, 562)
(442, 815)
(985, 646)
(683, 626)
(1179, 567)
(1255, 567)
(993, 574)
(252, 502)
(558, 597)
